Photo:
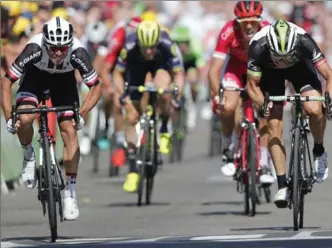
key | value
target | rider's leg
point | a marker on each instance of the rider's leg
(27, 97)
(230, 116)
(317, 124)
(266, 177)
(132, 179)
(64, 92)
(163, 80)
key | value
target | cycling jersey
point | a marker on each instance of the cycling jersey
(231, 42)
(36, 55)
(298, 67)
(167, 53)
(261, 58)
(117, 39)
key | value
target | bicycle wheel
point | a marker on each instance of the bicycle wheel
(141, 162)
(152, 166)
(215, 141)
(296, 185)
(112, 170)
(95, 150)
(302, 193)
(51, 203)
(252, 165)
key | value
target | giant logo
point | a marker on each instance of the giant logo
(27, 59)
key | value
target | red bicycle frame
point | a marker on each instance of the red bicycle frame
(248, 117)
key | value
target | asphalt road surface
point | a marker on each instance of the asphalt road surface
(193, 206)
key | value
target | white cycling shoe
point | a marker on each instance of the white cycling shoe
(70, 208)
(28, 175)
(281, 198)
(322, 171)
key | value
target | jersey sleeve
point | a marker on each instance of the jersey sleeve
(80, 60)
(126, 51)
(223, 41)
(174, 53)
(254, 59)
(31, 54)
(311, 50)
(116, 42)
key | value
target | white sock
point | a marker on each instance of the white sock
(29, 153)
(226, 142)
(264, 156)
(70, 187)
(234, 142)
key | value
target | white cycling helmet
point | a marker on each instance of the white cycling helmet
(281, 38)
(96, 32)
(58, 32)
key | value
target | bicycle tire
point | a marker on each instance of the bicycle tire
(153, 167)
(41, 186)
(267, 193)
(51, 204)
(302, 194)
(95, 150)
(295, 179)
(142, 157)
(112, 170)
(252, 162)
(213, 136)
(182, 133)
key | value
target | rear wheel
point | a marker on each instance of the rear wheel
(113, 170)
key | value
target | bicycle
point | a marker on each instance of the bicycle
(179, 135)
(50, 180)
(147, 146)
(299, 181)
(247, 158)
(215, 136)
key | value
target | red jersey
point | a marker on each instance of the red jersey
(230, 42)
(117, 38)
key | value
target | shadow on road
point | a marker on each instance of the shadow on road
(134, 204)
(216, 203)
(238, 213)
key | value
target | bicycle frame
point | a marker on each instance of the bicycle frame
(248, 118)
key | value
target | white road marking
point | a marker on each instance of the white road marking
(11, 245)
(83, 240)
(228, 237)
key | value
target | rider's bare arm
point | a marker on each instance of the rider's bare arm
(214, 75)
(6, 97)
(326, 71)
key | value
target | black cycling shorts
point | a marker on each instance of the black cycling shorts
(135, 75)
(189, 64)
(302, 76)
(62, 87)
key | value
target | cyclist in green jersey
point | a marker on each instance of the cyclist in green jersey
(192, 53)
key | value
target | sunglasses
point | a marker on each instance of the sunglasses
(251, 20)
(62, 49)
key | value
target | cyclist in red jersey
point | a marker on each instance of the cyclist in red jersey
(231, 56)
(116, 42)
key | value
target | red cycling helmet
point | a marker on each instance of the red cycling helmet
(247, 9)
(134, 22)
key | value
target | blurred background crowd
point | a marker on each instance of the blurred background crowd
(19, 20)
(205, 18)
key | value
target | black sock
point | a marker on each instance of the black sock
(164, 122)
(132, 161)
(282, 182)
(318, 149)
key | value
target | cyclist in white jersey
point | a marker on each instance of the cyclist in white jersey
(48, 62)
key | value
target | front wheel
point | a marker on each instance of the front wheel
(296, 189)
(252, 166)
(51, 203)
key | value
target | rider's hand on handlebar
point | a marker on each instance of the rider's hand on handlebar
(266, 112)
(216, 105)
(79, 124)
(10, 126)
